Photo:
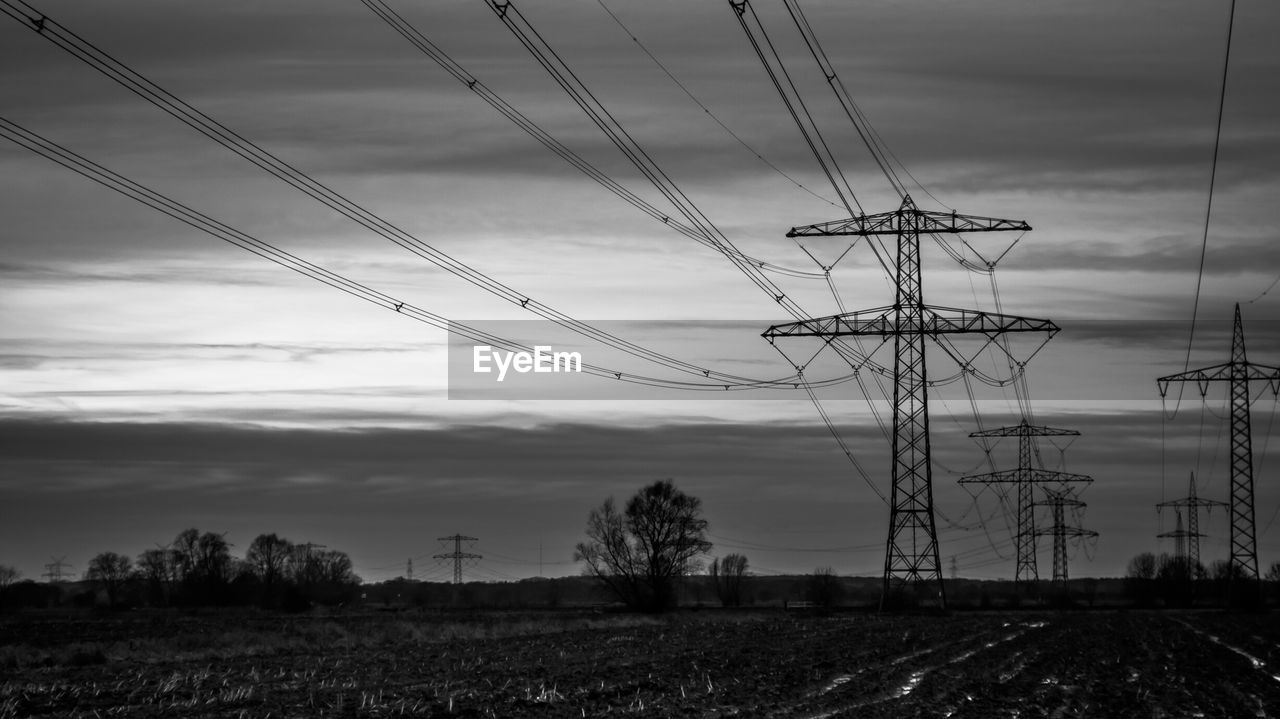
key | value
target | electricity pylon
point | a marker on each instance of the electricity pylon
(457, 555)
(1057, 500)
(53, 570)
(1191, 550)
(911, 551)
(1238, 373)
(1023, 478)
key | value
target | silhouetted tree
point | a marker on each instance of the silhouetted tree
(110, 571)
(8, 575)
(1139, 578)
(823, 588)
(1174, 577)
(267, 557)
(640, 553)
(730, 576)
(156, 568)
(186, 554)
(202, 565)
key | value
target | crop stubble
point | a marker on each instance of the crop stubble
(981, 665)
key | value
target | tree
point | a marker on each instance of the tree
(156, 567)
(202, 563)
(8, 575)
(823, 588)
(639, 554)
(110, 571)
(267, 557)
(1139, 577)
(1142, 566)
(729, 575)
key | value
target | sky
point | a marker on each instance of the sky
(154, 378)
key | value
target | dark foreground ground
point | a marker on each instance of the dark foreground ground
(1018, 664)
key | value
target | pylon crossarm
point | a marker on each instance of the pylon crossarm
(1066, 532)
(951, 320)
(1224, 372)
(881, 322)
(878, 321)
(1014, 476)
(1027, 430)
(890, 223)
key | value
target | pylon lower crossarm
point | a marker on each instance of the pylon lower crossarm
(1225, 372)
(882, 322)
(1014, 476)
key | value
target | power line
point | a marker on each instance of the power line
(756, 153)
(183, 213)
(825, 158)
(420, 41)
(117, 71)
(1213, 174)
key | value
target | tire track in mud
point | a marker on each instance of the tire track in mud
(904, 676)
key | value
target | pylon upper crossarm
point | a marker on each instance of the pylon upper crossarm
(886, 223)
(1026, 430)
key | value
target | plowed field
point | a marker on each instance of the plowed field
(1024, 664)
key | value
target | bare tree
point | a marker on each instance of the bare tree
(156, 567)
(110, 571)
(185, 554)
(823, 588)
(8, 575)
(640, 554)
(1139, 579)
(268, 555)
(729, 575)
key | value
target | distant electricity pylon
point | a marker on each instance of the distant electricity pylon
(1179, 536)
(53, 570)
(1023, 478)
(457, 555)
(1058, 500)
(1187, 541)
(409, 570)
(1238, 373)
(911, 551)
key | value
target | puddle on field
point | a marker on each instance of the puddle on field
(912, 682)
(835, 683)
(1256, 662)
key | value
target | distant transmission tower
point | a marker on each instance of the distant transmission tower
(1190, 548)
(911, 551)
(1058, 500)
(457, 555)
(1179, 536)
(54, 569)
(1023, 478)
(1238, 373)
(409, 570)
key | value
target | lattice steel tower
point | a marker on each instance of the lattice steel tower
(1058, 500)
(911, 552)
(1023, 478)
(457, 555)
(1238, 373)
(1190, 549)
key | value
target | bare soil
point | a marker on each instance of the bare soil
(981, 665)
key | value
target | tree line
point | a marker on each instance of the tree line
(198, 569)
(1175, 581)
